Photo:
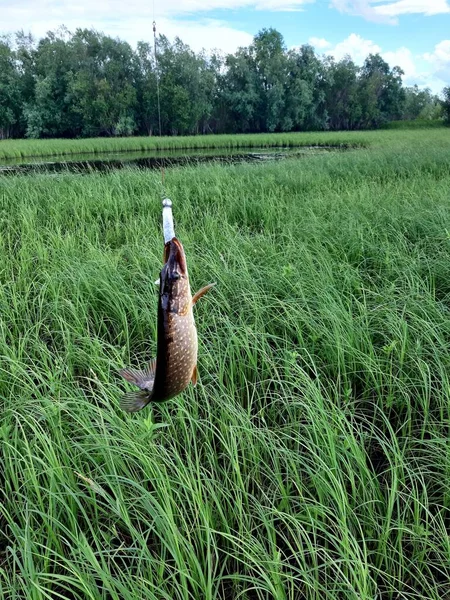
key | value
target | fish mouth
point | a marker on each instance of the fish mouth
(175, 259)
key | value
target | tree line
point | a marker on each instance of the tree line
(86, 84)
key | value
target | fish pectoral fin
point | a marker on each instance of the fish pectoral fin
(194, 376)
(134, 401)
(143, 379)
(202, 292)
(151, 367)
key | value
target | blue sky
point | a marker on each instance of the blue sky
(414, 34)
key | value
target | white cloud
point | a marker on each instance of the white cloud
(439, 61)
(320, 43)
(407, 7)
(205, 33)
(359, 48)
(355, 46)
(441, 54)
(404, 59)
(387, 12)
(281, 5)
(28, 10)
(416, 68)
(131, 20)
(361, 8)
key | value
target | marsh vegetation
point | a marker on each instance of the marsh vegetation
(311, 461)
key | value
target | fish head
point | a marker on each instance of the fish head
(174, 277)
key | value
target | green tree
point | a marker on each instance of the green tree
(88, 84)
(10, 100)
(186, 88)
(257, 83)
(241, 91)
(446, 104)
(299, 96)
(344, 109)
(24, 58)
(311, 76)
(48, 111)
(147, 96)
(421, 104)
(381, 93)
(268, 55)
(415, 102)
(102, 84)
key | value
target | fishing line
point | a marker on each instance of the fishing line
(157, 87)
(157, 76)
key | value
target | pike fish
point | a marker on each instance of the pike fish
(175, 364)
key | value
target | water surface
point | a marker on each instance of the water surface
(151, 159)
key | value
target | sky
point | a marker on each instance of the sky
(413, 34)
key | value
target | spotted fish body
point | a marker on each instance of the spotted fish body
(176, 360)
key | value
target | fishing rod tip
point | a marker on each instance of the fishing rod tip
(167, 202)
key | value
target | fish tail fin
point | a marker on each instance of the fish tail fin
(143, 379)
(202, 292)
(134, 401)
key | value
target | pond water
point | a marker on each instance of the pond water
(152, 159)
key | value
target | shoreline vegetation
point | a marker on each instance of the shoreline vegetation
(18, 148)
(311, 460)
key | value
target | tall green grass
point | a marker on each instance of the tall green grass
(311, 461)
(58, 147)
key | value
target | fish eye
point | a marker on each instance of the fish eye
(176, 275)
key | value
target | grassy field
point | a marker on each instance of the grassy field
(311, 462)
(57, 147)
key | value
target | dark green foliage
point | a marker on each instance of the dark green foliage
(446, 105)
(381, 93)
(87, 84)
(9, 90)
(421, 104)
(102, 85)
(343, 101)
